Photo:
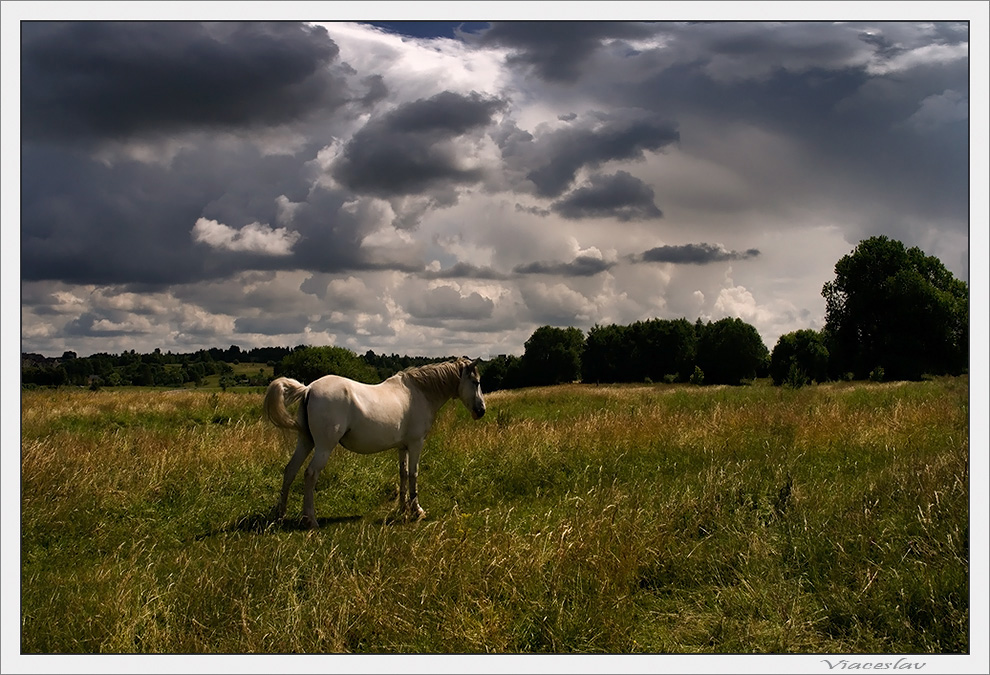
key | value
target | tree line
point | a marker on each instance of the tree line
(130, 368)
(890, 313)
(167, 369)
(727, 351)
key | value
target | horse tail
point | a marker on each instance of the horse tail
(286, 391)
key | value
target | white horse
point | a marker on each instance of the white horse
(369, 418)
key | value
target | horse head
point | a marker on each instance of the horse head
(469, 389)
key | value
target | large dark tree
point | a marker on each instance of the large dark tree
(731, 350)
(664, 347)
(799, 357)
(898, 309)
(650, 349)
(606, 355)
(502, 372)
(310, 363)
(553, 356)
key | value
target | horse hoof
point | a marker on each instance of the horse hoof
(310, 523)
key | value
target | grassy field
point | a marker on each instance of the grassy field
(653, 519)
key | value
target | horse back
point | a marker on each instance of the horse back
(364, 418)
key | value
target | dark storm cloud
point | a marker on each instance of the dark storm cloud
(408, 150)
(556, 50)
(693, 254)
(845, 92)
(446, 113)
(582, 266)
(146, 87)
(377, 90)
(117, 79)
(277, 325)
(620, 195)
(882, 45)
(603, 137)
(87, 222)
(445, 302)
(463, 270)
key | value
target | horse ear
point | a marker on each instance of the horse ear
(474, 364)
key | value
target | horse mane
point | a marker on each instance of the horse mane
(437, 380)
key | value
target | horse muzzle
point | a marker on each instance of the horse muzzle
(478, 412)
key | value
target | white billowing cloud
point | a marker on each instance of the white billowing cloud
(133, 324)
(412, 69)
(771, 319)
(286, 209)
(349, 292)
(252, 238)
(139, 303)
(591, 252)
(926, 55)
(388, 237)
(738, 301)
(372, 213)
(195, 321)
(37, 330)
(462, 249)
(67, 302)
(344, 298)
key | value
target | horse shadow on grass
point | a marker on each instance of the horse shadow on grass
(266, 522)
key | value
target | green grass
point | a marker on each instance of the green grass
(577, 518)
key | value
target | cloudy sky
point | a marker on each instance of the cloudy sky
(445, 188)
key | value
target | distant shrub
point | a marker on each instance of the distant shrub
(803, 353)
(698, 376)
(877, 374)
(796, 377)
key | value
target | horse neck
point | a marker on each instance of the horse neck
(438, 386)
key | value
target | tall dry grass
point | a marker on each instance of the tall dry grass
(569, 519)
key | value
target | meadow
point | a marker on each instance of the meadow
(578, 518)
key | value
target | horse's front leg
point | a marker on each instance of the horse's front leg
(413, 510)
(403, 478)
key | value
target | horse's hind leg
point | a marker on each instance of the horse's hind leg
(320, 457)
(303, 447)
